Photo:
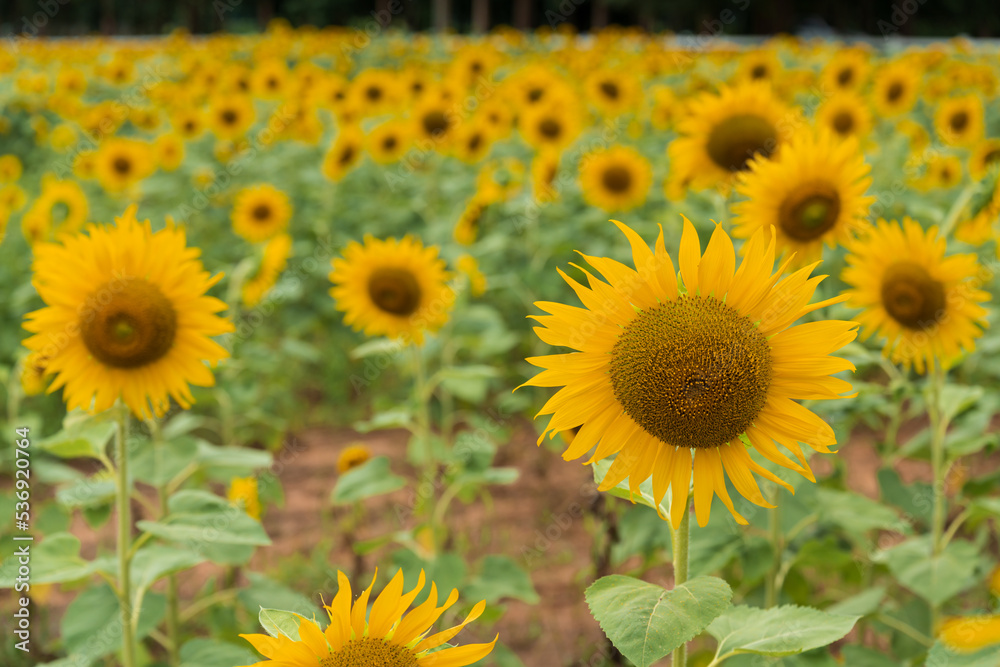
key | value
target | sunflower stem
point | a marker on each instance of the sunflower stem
(122, 501)
(681, 544)
(173, 605)
(939, 427)
(951, 219)
(774, 526)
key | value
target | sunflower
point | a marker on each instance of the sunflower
(33, 380)
(433, 120)
(544, 169)
(759, 65)
(230, 116)
(261, 212)
(942, 171)
(243, 493)
(467, 228)
(469, 267)
(10, 168)
(847, 71)
(374, 91)
(896, 88)
(121, 163)
(385, 636)
(497, 116)
(392, 288)
(679, 379)
(959, 121)
(126, 317)
(721, 133)
(344, 153)
(352, 456)
(811, 194)
(169, 150)
(613, 91)
(552, 126)
(664, 110)
(968, 634)
(62, 204)
(269, 79)
(846, 114)
(924, 304)
(272, 263)
(985, 156)
(616, 179)
(472, 142)
(388, 142)
(188, 123)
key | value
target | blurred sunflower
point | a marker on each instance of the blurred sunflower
(272, 263)
(10, 168)
(925, 305)
(188, 123)
(469, 267)
(472, 142)
(169, 151)
(230, 116)
(985, 156)
(847, 71)
(544, 168)
(433, 120)
(811, 194)
(681, 379)
(845, 114)
(33, 380)
(126, 316)
(760, 65)
(62, 204)
(613, 91)
(550, 126)
(388, 142)
(374, 91)
(344, 153)
(121, 163)
(616, 179)
(269, 80)
(385, 636)
(721, 133)
(243, 493)
(392, 288)
(896, 87)
(959, 121)
(941, 171)
(983, 213)
(352, 456)
(261, 212)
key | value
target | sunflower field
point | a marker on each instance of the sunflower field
(330, 349)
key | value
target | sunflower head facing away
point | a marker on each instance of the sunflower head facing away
(721, 134)
(126, 316)
(261, 212)
(389, 637)
(925, 305)
(392, 288)
(813, 193)
(681, 377)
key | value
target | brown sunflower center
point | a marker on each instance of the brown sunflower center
(959, 121)
(810, 211)
(617, 179)
(475, 142)
(911, 296)
(550, 128)
(394, 290)
(843, 122)
(609, 89)
(373, 93)
(895, 91)
(261, 212)
(992, 157)
(737, 139)
(758, 72)
(128, 323)
(535, 94)
(122, 166)
(692, 372)
(369, 652)
(228, 117)
(435, 123)
(845, 76)
(389, 143)
(346, 155)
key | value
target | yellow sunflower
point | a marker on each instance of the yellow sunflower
(388, 142)
(544, 169)
(924, 304)
(344, 153)
(243, 493)
(811, 194)
(33, 380)
(845, 114)
(896, 88)
(983, 213)
(941, 171)
(959, 121)
(434, 121)
(616, 179)
(386, 636)
(761, 65)
(552, 126)
(272, 263)
(269, 79)
(374, 91)
(62, 204)
(352, 456)
(188, 123)
(10, 168)
(968, 634)
(169, 149)
(261, 212)
(121, 163)
(613, 91)
(847, 71)
(392, 288)
(985, 156)
(721, 133)
(127, 317)
(230, 116)
(681, 379)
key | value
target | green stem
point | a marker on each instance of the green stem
(173, 605)
(124, 532)
(957, 208)
(771, 583)
(939, 427)
(905, 628)
(681, 543)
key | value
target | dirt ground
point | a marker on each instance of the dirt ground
(541, 521)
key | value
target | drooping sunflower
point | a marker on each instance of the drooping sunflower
(721, 133)
(386, 636)
(925, 305)
(616, 179)
(685, 378)
(393, 288)
(344, 153)
(121, 163)
(896, 88)
(811, 194)
(126, 316)
(845, 114)
(261, 212)
(959, 121)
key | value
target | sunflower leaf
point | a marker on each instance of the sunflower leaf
(372, 478)
(277, 622)
(941, 655)
(779, 631)
(645, 621)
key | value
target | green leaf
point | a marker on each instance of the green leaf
(384, 420)
(862, 656)
(158, 464)
(232, 461)
(956, 398)
(263, 590)
(645, 621)
(469, 383)
(856, 513)
(447, 570)
(381, 346)
(54, 560)
(500, 577)
(158, 560)
(91, 625)
(372, 478)
(914, 499)
(212, 653)
(942, 656)
(934, 578)
(862, 604)
(779, 631)
(82, 436)
(277, 622)
(87, 492)
(644, 496)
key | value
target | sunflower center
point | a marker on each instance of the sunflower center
(845, 76)
(550, 128)
(261, 212)
(122, 165)
(843, 122)
(535, 94)
(610, 89)
(394, 290)
(692, 372)
(228, 117)
(895, 91)
(368, 652)
(346, 155)
(737, 139)
(128, 323)
(617, 179)
(475, 142)
(435, 123)
(373, 93)
(810, 212)
(911, 296)
(758, 72)
(389, 143)
(959, 121)
(992, 157)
